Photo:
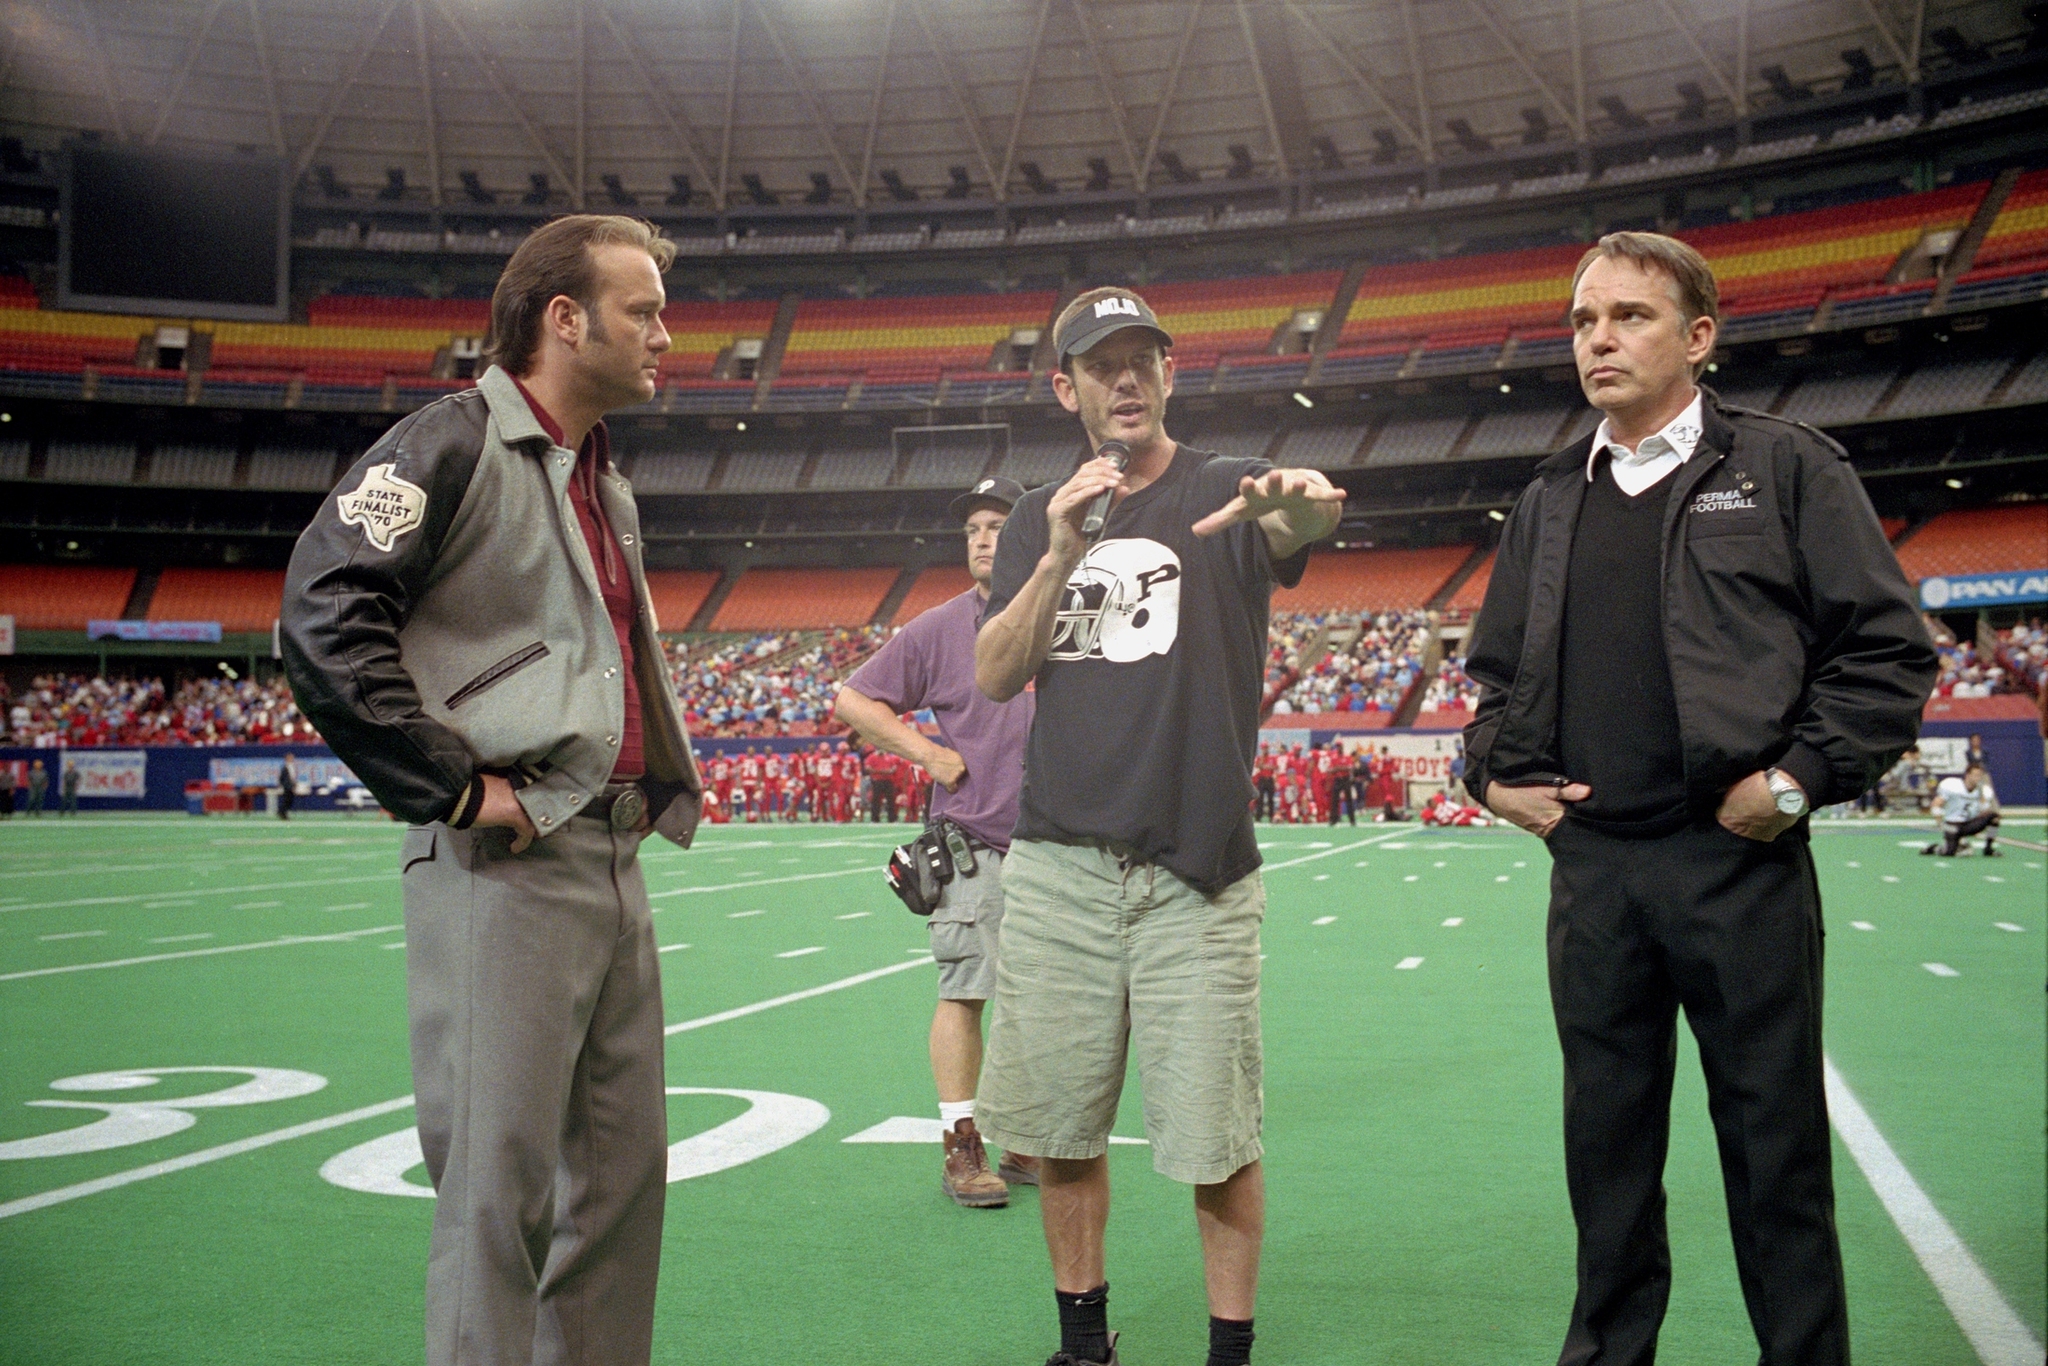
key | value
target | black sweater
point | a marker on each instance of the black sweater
(1617, 720)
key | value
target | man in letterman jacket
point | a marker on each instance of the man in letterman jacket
(466, 623)
(1695, 632)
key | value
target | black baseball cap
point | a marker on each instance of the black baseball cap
(1110, 313)
(993, 492)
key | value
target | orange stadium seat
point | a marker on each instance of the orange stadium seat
(676, 594)
(2021, 228)
(940, 583)
(803, 599)
(1471, 594)
(239, 599)
(43, 597)
(1979, 541)
(1211, 318)
(1371, 580)
(895, 340)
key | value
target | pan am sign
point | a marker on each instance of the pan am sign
(1983, 590)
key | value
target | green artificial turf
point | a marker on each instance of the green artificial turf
(1417, 1203)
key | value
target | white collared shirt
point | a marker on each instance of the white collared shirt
(1656, 456)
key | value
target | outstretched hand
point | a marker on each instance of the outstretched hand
(1305, 503)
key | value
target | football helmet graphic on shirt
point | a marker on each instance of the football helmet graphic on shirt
(1121, 604)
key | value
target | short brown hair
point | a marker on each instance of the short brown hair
(556, 259)
(1698, 295)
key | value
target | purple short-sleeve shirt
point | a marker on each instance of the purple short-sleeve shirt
(930, 663)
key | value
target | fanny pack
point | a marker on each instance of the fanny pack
(919, 871)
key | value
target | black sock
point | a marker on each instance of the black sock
(1230, 1342)
(1084, 1323)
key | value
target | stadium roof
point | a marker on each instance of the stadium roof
(862, 91)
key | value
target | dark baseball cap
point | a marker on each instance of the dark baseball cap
(1110, 313)
(993, 491)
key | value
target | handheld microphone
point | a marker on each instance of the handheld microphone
(1118, 454)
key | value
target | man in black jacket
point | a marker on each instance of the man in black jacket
(1695, 632)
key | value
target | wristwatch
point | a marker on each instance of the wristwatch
(1789, 795)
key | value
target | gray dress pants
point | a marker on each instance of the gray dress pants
(535, 1005)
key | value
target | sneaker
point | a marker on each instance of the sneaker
(966, 1177)
(1931, 849)
(1992, 853)
(1018, 1170)
(1069, 1359)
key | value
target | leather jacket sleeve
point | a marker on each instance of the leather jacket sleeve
(1872, 666)
(355, 575)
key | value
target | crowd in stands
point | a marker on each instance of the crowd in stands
(2019, 663)
(1371, 672)
(2023, 655)
(74, 710)
(775, 683)
(1450, 690)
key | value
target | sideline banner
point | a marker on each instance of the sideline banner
(1941, 593)
(313, 771)
(191, 632)
(120, 773)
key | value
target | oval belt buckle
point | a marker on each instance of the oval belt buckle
(627, 809)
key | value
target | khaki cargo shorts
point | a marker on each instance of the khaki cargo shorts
(1102, 957)
(964, 929)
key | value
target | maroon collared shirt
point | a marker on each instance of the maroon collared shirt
(613, 575)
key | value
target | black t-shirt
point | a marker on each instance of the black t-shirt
(1148, 704)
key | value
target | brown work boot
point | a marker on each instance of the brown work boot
(967, 1177)
(1018, 1170)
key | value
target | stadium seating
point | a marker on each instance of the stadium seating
(2021, 229)
(937, 584)
(1471, 594)
(43, 597)
(1979, 541)
(1776, 273)
(239, 599)
(803, 599)
(907, 344)
(1371, 580)
(677, 594)
(1775, 268)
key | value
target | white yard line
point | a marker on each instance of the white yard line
(202, 953)
(198, 1159)
(313, 1126)
(1994, 1330)
(874, 871)
(1340, 849)
(391, 876)
(922, 960)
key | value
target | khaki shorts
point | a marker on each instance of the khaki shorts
(1101, 958)
(964, 930)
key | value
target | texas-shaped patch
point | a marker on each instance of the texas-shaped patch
(384, 506)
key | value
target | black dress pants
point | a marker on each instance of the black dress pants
(1730, 930)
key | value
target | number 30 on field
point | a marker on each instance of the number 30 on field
(771, 1121)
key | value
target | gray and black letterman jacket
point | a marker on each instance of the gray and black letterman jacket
(1792, 635)
(442, 616)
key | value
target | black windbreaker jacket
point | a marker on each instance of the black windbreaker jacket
(1792, 634)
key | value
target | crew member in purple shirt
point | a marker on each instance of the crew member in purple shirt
(979, 772)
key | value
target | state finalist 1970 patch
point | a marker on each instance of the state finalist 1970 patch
(384, 506)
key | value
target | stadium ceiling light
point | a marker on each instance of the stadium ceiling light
(1713, 367)
(1303, 399)
(1953, 483)
(6, 417)
(1496, 514)
(739, 426)
(1507, 388)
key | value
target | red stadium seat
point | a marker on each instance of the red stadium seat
(44, 597)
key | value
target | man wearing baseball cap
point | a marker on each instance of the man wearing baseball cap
(1132, 892)
(978, 771)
